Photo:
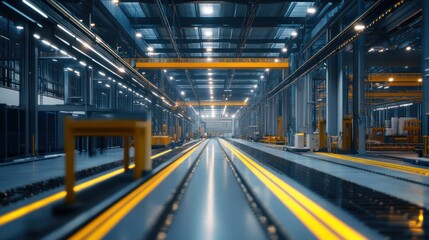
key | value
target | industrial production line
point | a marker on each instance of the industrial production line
(229, 189)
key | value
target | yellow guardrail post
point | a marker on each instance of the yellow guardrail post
(126, 152)
(146, 148)
(138, 154)
(69, 142)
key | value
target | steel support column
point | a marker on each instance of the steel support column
(299, 106)
(358, 142)
(425, 69)
(309, 105)
(332, 93)
(28, 92)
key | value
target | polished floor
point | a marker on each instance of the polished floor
(219, 190)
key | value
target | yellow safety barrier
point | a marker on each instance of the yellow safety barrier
(140, 130)
(104, 223)
(27, 209)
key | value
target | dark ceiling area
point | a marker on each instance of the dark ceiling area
(243, 29)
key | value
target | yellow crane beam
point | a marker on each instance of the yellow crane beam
(397, 94)
(214, 63)
(213, 103)
(395, 77)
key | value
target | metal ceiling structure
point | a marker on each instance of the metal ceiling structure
(218, 29)
(157, 30)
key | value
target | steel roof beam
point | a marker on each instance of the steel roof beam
(213, 22)
(164, 13)
(222, 40)
(230, 1)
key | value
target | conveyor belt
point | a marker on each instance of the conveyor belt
(348, 161)
(49, 217)
(16, 194)
(392, 166)
(391, 217)
(200, 200)
(214, 197)
(27, 191)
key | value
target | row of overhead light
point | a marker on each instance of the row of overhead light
(391, 107)
(210, 74)
(86, 45)
(171, 78)
(84, 64)
(382, 49)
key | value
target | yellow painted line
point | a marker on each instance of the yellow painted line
(102, 224)
(392, 166)
(319, 221)
(20, 212)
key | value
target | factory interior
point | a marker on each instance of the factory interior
(268, 119)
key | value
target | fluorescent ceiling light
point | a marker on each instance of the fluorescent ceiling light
(36, 36)
(139, 35)
(294, 33)
(46, 43)
(408, 48)
(284, 49)
(208, 33)
(65, 30)
(208, 10)
(150, 49)
(311, 10)
(209, 49)
(359, 27)
(182, 93)
(35, 8)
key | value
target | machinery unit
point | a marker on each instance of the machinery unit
(160, 141)
(299, 140)
(312, 142)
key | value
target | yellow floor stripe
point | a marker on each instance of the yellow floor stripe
(376, 163)
(320, 222)
(101, 225)
(20, 212)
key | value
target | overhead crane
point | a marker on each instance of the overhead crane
(395, 77)
(213, 103)
(212, 63)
